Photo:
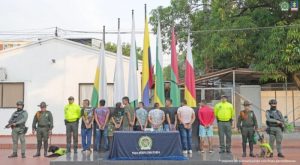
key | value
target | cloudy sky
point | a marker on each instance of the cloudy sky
(85, 15)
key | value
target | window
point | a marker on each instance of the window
(86, 91)
(10, 93)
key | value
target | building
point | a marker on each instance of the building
(51, 70)
(6, 44)
(241, 84)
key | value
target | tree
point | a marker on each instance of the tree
(112, 47)
(232, 33)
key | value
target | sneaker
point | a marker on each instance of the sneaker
(211, 151)
(202, 151)
(271, 155)
(228, 151)
(190, 151)
(185, 152)
(280, 155)
(221, 151)
(252, 155)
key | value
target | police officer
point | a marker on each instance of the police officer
(225, 114)
(72, 116)
(275, 123)
(17, 124)
(247, 124)
(42, 124)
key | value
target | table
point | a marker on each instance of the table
(139, 145)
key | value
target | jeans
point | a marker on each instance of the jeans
(166, 127)
(99, 134)
(86, 137)
(186, 137)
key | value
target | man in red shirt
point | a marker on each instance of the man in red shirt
(206, 119)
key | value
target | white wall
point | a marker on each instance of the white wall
(53, 82)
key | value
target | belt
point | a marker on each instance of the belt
(42, 126)
(224, 121)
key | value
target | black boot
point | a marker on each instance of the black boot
(244, 154)
(251, 149)
(37, 154)
(280, 155)
(23, 155)
(13, 155)
(244, 149)
(45, 148)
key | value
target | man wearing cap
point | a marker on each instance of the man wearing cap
(275, 123)
(42, 124)
(247, 124)
(225, 114)
(17, 124)
(72, 116)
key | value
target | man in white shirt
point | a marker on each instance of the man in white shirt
(156, 118)
(186, 116)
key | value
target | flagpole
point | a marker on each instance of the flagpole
(118, 24)
(145, 11)
(103, 35)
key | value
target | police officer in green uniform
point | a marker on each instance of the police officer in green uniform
(247, 124)
(17, 124)
(275, 123)
(225, 115)
(42, 124)
(72, 116)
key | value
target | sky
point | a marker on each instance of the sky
(83, 15)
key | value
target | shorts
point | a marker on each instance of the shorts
(205, 132)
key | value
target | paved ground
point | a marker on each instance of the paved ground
(291, 149)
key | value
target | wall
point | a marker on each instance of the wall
(53, 82)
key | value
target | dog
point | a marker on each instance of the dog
(56, 151)
(266, 150)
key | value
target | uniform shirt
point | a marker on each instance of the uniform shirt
(156, 116)
(206, 115)
(247, 119)
(72, 112)
(141, 115)
(127, 109)
(19, 117)
(101, 113)
(43, 119)
(224, 111)
(87, 114)
(185, 113)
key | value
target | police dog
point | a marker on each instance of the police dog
(54, 150)
(265, 148)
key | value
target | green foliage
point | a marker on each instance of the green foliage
(229, 33)
(181, 68)
(112, 47)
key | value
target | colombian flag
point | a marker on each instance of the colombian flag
(147, 70)
(189, 87)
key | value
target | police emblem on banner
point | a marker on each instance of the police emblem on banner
(145, 143)
(284, 6)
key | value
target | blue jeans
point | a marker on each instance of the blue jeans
(186, 137)
(99, 134)
(166, 127)
(86, 137)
